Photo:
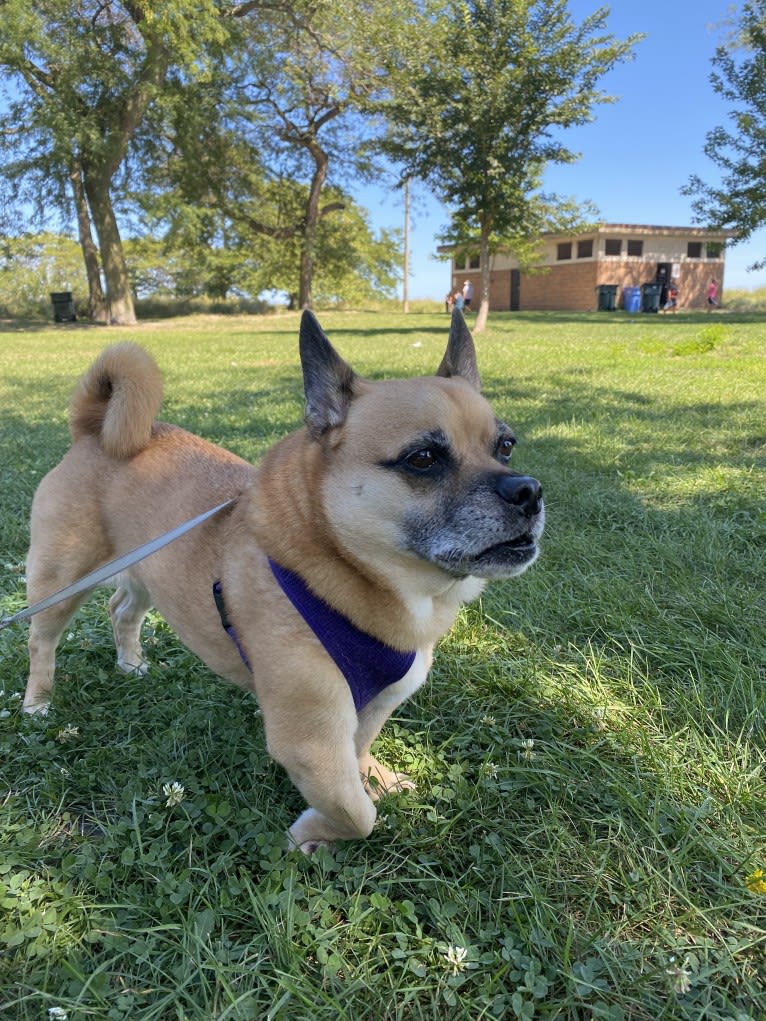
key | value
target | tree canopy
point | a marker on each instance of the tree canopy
(739, 151)
(85, 76)
(236, 130)
(480, 106)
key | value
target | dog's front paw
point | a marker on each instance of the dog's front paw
(308, 847)
(379, 780)
(353, 820)
(308, 833)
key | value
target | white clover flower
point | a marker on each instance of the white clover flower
(67, 733)
(488, 721)
(174, 793)
(527, 751)
(680, 977)
(456, 958)
(490, 769)
(57, 1014)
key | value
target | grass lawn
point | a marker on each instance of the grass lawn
(588, 834)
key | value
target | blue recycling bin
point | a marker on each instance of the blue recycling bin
(631, 299)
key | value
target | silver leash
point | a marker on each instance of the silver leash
(113, 567)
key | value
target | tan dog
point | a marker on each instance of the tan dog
(347, 554)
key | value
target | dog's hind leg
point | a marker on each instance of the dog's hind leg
(44, 632)
(127, 608)
(66, 543)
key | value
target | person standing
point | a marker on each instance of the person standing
(712, 294)
(467, 294)
(671, 305)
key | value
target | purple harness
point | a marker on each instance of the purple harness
(368, 664)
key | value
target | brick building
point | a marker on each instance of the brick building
(623, 255)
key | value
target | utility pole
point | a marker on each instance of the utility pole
(406, 288)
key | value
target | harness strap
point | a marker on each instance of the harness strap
(367, 664)
(226, 624)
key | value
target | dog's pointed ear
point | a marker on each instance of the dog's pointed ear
(460, 357)
(328, 381)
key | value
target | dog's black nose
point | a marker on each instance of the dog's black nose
(521, 490)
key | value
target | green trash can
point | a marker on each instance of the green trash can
(606, 297)
(63, 307)
(650, 297)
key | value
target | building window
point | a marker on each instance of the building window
(694, 249)
(714, 249)
(564, 250)
(463, 261)
(636, 248)
(585, 249)
(613, 246)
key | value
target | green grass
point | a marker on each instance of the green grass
(589, 752)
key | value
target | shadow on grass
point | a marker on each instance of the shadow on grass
(640, 599)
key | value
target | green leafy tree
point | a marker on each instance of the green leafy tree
(213, 254)
(281, 127)
(79, 79)
(34, 265)
(739, 152)
(478, 106)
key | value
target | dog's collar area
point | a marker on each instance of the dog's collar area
(368, 664)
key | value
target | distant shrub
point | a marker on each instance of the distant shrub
(706, 340)
(170, 307)
(742, 300)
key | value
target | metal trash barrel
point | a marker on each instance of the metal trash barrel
(606, 297)
(63, 307)
(650, 297)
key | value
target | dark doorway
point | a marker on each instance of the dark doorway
(515, 289)
(664, 270)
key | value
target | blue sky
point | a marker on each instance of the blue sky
(636, 154)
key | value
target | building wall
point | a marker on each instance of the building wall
(694, 280)
(570, 285)
(564, 288)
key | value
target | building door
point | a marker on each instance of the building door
(515, 289)
(664, 270)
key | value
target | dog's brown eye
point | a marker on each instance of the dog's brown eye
(422, 460)
(505, 448)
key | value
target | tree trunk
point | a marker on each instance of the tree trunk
(321, 160)
(483, 312)
(97, 307)
(121, 309)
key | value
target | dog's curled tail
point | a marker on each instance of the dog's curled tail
(117, 400)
